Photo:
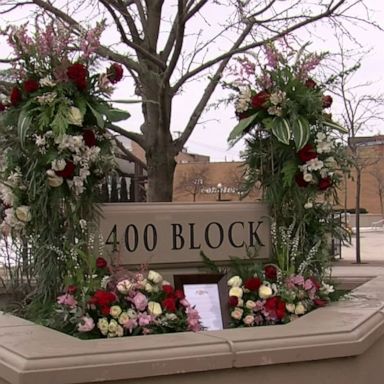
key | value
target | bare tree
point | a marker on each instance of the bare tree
(193, 180)
(164, 48)
(360, 110)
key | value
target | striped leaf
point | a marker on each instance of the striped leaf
(238, 132)
(23, 124)
(281, 129)
(300, 129)
(336, 126)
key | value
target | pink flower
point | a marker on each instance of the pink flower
(185, 303)
(140, 301)
(144, 319)
(68, 300)
(193, 319)
(130, 324)
(86, 324)
(308, 284)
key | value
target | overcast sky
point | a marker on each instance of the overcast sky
(210, 136)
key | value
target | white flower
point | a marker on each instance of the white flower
(307, 177)
(330, 162)
(124, 286)
(308, 205)
(23, 213)
(248, 320)
(320, 136)
(102, 324)
(314, 164)
(148, 287)
(55, 181)
(299, 309)
(78, 185)
(326, 288)
(154, 308)
(40, 141)
(112, 327)
(58, 164)
(250, 304)
(290, 307)
(123, 318)
(236, 291)
(235, 281)
(171, 316)
(243, 100)
(237, 313)
(7, 195)
(277, 97)
(75, 117)
(104, 281)
(132, 313)
(265, 291)
(154, 277)
(47, 82)
(324, 147)
(115, 311)
(86, 324)
(277, 111)
(119, 331)
(46, 98)
(83, 224)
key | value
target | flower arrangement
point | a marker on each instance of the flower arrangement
(269, 297)
(55, 147)
(123, 304)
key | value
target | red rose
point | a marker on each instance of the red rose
(327, 101)
(307, 153)
(169, 304)
(280, 309)
(103, 298)
(30, 86)
(252, 283)
(68, 171)
(325, 183)
(101, 263)
(260, 99)
(78, 73)
(15, 96)
(71, 289)
(233, 301)
(271, 303)
(179, 294)
(320, 302)
(168, 289)
(2, 107)
(105, 310)
(115, 73)
(270, 272)
(310, 84)
(89, 138)
(299, 178)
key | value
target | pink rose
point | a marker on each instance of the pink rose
(140, 301)
(144, 319)
(68, 300)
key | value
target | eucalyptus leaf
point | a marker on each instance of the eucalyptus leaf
(300, 129)
(238, 132)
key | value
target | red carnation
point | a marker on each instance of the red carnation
(168, 289)
(325, 183)
(169, 304)
(280, 309)
(105, 310)
(15, 96)
(179, 294)
(271, 303)
(260, 99)
(115, 73)
(103, 298)
(89, 138)
(270, 272)
(252, 283)
(101, 263)
(68, 171)
(307, 153)
(327, 101)
(2, 107)
(310, 84)
(71, 289)
(275, 306)
(78, 73)
(320, 302)
(299, 178)
(30, 86)
(233, 301)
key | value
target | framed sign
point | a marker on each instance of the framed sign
(208, 293)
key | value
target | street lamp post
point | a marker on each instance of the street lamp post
(219, 186)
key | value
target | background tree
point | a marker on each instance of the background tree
(165, 45)
(193, 180)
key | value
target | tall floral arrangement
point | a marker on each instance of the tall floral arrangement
(55, 147)
(291, 150)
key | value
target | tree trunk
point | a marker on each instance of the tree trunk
(357, 214)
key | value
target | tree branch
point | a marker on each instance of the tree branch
(136, 137)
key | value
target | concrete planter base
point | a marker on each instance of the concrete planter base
(341, 343)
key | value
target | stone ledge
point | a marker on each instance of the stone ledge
(33, 354)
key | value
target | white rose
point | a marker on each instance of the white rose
(235, 281)
(115, 311)
(124, 286)
(154, 277)
(236, 291)
(58, 164)
(308, 205)
(123, 318)
(290, 307)
(248, 320)
(237, 313)
(154, 308)
(265, 292)
(250, 304)
(132, 314)
(55, 181)
(299, 309)
(148, 287)
(112, 327)
(119, 331)
(102, 324)
(308, 177)
(75, 116)
(23, 213)
(171, 316)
